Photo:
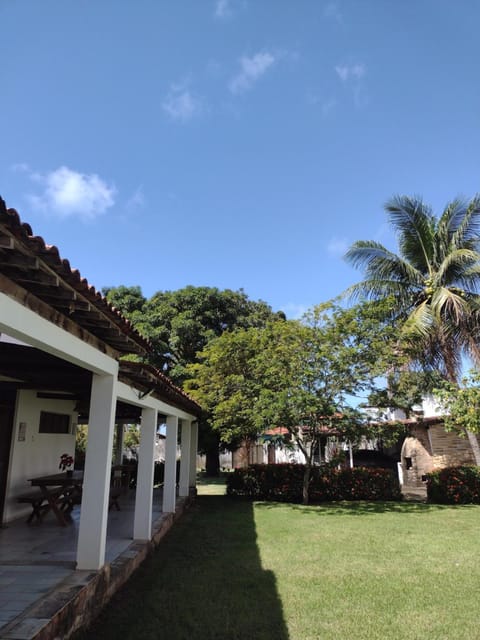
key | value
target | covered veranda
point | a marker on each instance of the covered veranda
(41, 592)
(60, 353)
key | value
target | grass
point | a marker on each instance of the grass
(243, 571)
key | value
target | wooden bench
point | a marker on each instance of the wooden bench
(69, 497)
(39, 502)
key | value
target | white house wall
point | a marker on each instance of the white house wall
(39, 454)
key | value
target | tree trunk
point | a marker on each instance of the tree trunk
(212, 462)
(306, 483)
(472, 439)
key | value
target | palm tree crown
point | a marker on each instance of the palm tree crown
(434, 278)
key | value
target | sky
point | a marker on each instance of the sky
(233, 143)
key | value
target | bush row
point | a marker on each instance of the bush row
(454, 485)
(284, 482)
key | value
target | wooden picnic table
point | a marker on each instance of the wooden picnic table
(61, 492)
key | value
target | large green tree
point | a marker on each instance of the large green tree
(434, 280)
(181, 323)
(298, 375)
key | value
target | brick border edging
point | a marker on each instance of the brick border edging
(78, 599)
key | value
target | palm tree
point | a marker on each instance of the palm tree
(433, 280)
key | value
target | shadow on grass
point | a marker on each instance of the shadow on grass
(204, 582)
(361, 508)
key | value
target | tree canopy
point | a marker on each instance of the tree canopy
(434, 280)
(300, 375)
(180, 323)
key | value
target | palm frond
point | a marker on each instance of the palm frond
(448, 307)
(415, 226)
(457, 264)
(419, 322)
(377, 289)
(380, 263)
(466, 224)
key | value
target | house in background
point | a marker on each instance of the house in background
(61, 345)
(425, 447)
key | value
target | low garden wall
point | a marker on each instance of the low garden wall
(284, 482)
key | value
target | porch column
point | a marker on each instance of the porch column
(185, 458)
(120, 432)
(170, 480)
(142, 525)
(193, 455)
(96, 486)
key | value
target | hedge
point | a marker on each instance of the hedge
(454, 485)
(284, 482)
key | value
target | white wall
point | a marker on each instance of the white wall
(39, 454)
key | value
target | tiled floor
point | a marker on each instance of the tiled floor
(22, 585)
(35, 559)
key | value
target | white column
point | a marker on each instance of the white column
(170, 480)
(185, 458)
(193, 455)
(96, 486)
(142, 525)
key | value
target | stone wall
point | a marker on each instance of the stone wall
(449, 449)
(416, 456)
(430, 447)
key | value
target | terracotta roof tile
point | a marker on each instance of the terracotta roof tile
(29, 244)
(154, 381)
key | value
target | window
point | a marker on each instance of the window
(54, 422)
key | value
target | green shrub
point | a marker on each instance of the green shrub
(454, 485)
(284, 482)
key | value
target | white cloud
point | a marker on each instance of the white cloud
(223, 9)
(69, 193)
(251, 70)
(317, 100)
(332, 11)
(338, 246)
(136, 200)
(351, 72)
(181, 104)
(352, 77)
(20, 167)
(328, 106)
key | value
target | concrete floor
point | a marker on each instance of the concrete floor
(36, 559)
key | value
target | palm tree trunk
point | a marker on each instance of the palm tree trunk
(472, 439)
(306, 482)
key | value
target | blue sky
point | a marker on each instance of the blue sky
(233, 143)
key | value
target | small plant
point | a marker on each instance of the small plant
(66, 461)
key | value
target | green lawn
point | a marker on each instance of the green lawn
(243, 571)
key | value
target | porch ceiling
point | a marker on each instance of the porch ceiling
(32, 368)
(35, 369)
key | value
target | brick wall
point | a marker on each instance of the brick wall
(449, 449)
(416, 456)
(431, 447)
